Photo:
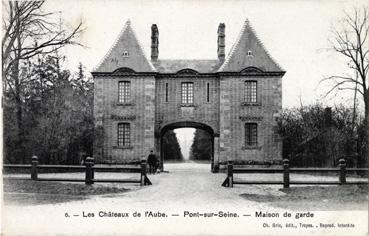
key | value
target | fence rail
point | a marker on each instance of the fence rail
(89, 170)
(286, 170)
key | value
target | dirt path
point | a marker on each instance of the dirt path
(186, 184)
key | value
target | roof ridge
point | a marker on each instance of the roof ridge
(179, 59)
(128, 22)
(265, 49)
(231, 52)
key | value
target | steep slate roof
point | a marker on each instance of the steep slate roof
(237, 59)
(126, 41)
(173, 66)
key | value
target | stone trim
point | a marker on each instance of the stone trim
(251, 148)
(125, 104)
(117, 117)
(112, 74)
(187, 71)
(253, 104)
(122, 147)
(187, 105)
(251, 118)
(174, 75)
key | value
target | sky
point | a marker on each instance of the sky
(185, 139)
(296, 34)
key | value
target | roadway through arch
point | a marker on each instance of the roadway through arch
(185, 124)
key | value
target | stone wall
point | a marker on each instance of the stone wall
(234, 113)
(138, 112)
(202, 111)
(226, 114)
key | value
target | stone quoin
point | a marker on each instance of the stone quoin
(237, 98)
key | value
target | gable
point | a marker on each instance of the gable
(126, 52)
(249, 52)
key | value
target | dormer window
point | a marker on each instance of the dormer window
(249, 53)
(125, 54)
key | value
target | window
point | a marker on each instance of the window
(250, 91)
(249, 53)
(187, 93)
(251, 134)
(124, 91)
(125, 54)
(124, 131)
(207, 92)
(166, 92)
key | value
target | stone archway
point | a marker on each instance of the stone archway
(184, 124)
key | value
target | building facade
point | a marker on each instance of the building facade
(237, 98)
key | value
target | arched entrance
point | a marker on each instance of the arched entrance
(185, 124)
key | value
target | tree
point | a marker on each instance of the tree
(171, 148)
(351, 41)
(58, 114)
(201, 148)
(28, 31)
(315, 135)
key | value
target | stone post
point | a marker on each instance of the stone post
(143, 172)
(215, 168)
(342, 165)
(89, 170)
(34, 167)
(230, 174)
(286, 173)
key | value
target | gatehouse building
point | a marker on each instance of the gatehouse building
(236, 98)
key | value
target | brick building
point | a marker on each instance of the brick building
(236, 98)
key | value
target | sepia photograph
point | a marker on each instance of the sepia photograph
(158, 117)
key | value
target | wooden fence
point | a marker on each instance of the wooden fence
(286, 170)
(89, 168)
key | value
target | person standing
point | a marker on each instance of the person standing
(152, 160)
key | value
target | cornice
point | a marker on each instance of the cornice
(175, 75)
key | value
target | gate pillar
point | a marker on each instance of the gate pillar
(216, 153)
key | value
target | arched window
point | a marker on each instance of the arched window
(249, 53)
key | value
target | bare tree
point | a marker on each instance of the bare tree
(351, 41)
(28, 31)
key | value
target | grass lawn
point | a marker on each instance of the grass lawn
(348, 197)
(29, 192)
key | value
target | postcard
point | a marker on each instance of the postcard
(185, 117)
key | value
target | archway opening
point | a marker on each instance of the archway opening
(187, 142)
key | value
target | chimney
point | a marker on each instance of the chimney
(154, 42)
(221, 42)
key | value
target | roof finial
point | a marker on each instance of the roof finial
(128, 21)
(247, 22)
